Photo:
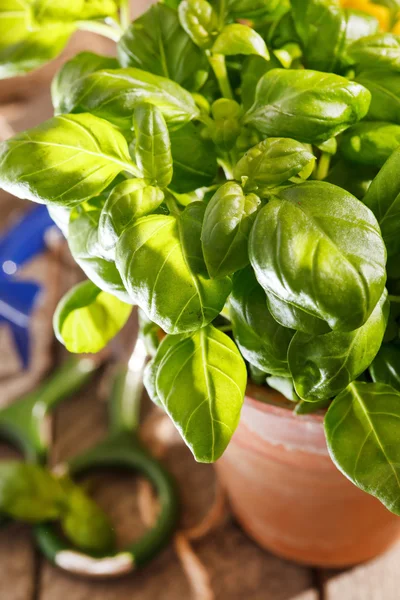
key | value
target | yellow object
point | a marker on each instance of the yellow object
(379, 12)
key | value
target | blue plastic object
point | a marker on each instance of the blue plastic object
(22, 242)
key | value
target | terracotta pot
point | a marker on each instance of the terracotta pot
(288, 495)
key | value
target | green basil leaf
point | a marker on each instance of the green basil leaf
(383, 198)
(323, 366)
(29, 493)
(294, 317)
(152, 147)
(44, 12)
(194, 160)
(127, 202)
(306, 105)
(272, 162)
(386, 366)
(315, 240)
(151, 370)
(384, 86)
(227, 126)
(72, 72)
(149, 332)
(307, 408)
(201, 382)
(113, 94)
(250, 9)
(84, 523)
(254, 67)
(381, 50)
(157, 43)
(83, 244)
(61, 216)
(32, 50)
(370, 142)
(317, 21)
(361, 428)
(162, 266)
(261, 340)
(353, 178)
(200, 21)
(86, 318)
(240, 39)
(65, 160)
(227, 223)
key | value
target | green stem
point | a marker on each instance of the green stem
(395, 299)
(323, 166)
(101, 28)
(125, 14)
(218, 64)
(172, 204)
(221, 15)
(224, 162)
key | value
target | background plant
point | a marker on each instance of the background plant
(235, 174)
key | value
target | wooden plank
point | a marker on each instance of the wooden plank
(379, 579)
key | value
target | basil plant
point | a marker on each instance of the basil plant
(235, 173)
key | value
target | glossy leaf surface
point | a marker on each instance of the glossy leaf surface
(156, 42)
(261, 340)
(323, 366)
(383, 198)
(381, 50)
(361, 428)
(370, 142)
(200, 21)
(306, 105)
(384, 86)
(240, 39)
(113, 94)
(86, 318)
(162, 266)
(329, 260)
(128, 201)
(201, 381)
(272, 162)
(228, 219)
(153, 146)
(65, 160)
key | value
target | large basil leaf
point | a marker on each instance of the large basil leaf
(320, 250)
(32, 50)
(240, 39)
(384, 86)
(249, 9)
(254, 67)
(65, 160)
(386, 366)
(128, 201)
(152, 146)
(201, 381)
(162, 266)
(323, 366)
(86, 318)
(113, 94)
(317, 21)
(156, 42)
(370, 142)
(227, 223)
(272, 162)
(72, 72)
(381, 50)
(383, 198)
(261, 340)
(86, 251)
(362, 432)
(294, 317)
(194, 159)
(306, 105)
(44, 12)
(200, 21)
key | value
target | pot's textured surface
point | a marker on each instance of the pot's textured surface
(288, 495)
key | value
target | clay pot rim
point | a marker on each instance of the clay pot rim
(280, 411)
